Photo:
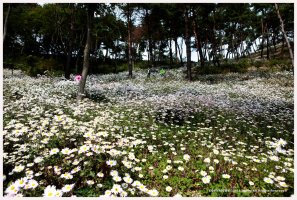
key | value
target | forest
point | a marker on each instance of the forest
(53, 36)
(148, 99)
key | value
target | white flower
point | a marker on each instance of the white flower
(38, 159)
(203, 173)
(100, 174)
(165, 177)
(168, 189)
(76, 169)
(128, 179)
(137, 168)
(124, 194)
(59, 193)
(12, 189)
(180, 168)
(168, 167)
(114, 173)
(19, 168)
(251, 183)
(54, 151)
(215, 151)
(186, 157)
(117, 178)
(207, 160)
(67, 176)
(136, 183)
(281, 142)
(283, 184)
(268, 180)
(226, 176)
(116, 188)
(111, 162)
(131, 156)
(30, 164)
(216, 161)
(66, 151)
(206, 179)
(280, 178)
(274, 158)
(21, 182)
(142, 188)
(90, 182)
(67, 187)
(107, 193)
(50, 191)
(83, 149)
(153, 193)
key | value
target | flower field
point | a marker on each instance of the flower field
(222, 135)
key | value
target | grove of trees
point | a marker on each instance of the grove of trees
(99, 38)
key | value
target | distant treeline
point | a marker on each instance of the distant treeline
(116, 36)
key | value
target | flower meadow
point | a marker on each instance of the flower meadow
(222, 135)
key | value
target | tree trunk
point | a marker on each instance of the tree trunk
(262, 42)
(176, 45)
(129, 42)
(82, 82)
(67, 67)
(188, 44)
(5, 23)
(198, 43)
(267, 42)
(170, 54)
(284, 33)
(149, 39)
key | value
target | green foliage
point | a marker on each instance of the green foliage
(257, 64)
(238, 67)
(86, 192)
(162, 72)
(141, 65)
(96, 96)
(34, 65)
(280, 64)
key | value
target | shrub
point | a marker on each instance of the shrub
(239, 67)
(34, 65)
(242, 65)
(278, 64)
(141, 65)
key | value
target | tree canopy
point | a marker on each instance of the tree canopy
(143, 34)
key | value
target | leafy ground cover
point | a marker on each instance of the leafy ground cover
(228, 135)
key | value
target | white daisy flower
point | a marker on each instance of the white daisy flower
(268, 180)
(50, 191)
(168, 189)
(206, 179)
(226, 176)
